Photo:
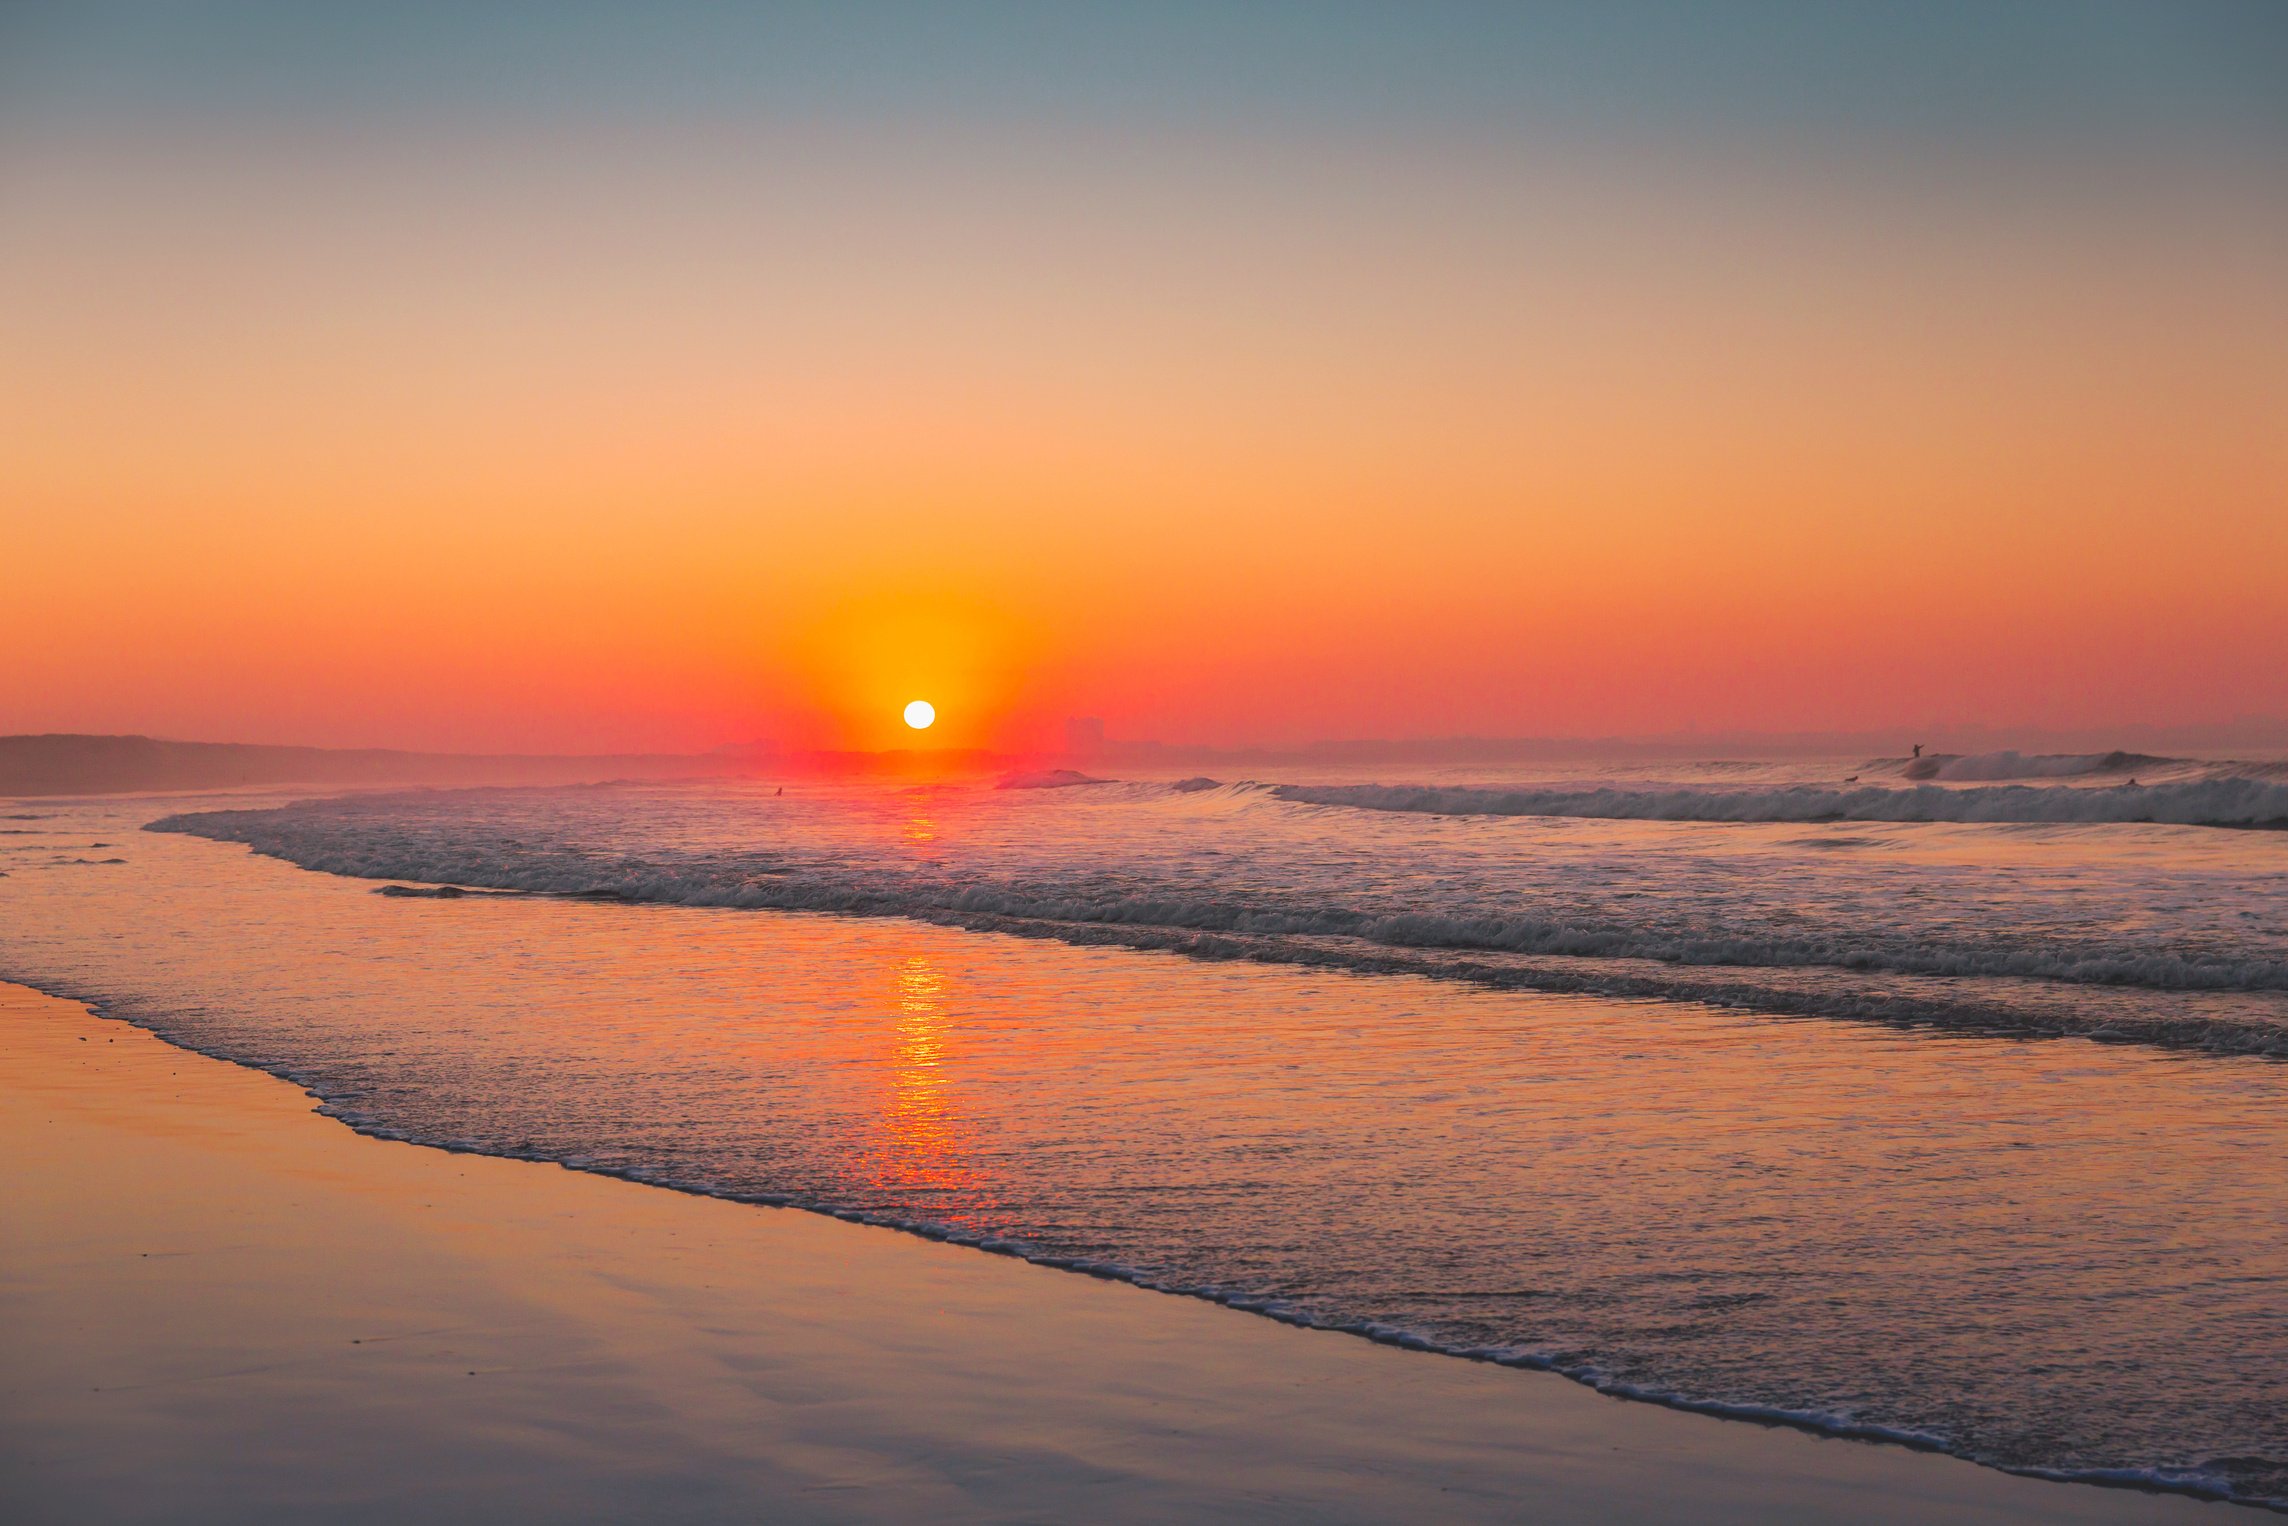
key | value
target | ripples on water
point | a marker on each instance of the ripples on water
(2136, 930)
(2050, 1255)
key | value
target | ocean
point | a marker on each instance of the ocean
(1931, 1099)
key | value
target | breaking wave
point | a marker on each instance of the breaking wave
(2106, 983)
(2217, 802)
(1989, 766)
(1046, 778)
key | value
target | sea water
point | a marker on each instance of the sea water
(1932, 1099)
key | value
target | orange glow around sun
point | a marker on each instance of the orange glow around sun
(1497, 443)
(864, 662)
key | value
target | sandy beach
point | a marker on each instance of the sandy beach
(218, 1306)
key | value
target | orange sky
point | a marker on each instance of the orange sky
(476, 435)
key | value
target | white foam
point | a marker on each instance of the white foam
(1437, 930)
(2235, 801)
(1991, 766)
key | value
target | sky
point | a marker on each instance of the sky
(599, 378)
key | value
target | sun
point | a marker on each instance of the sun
(920, 714)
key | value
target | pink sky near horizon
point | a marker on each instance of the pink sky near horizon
(500, 442)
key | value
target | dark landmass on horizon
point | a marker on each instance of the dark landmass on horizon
(73, 764)
(67, 764)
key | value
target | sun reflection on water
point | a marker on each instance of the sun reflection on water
(926, 1147)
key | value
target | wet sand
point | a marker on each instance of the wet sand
(216, 1305)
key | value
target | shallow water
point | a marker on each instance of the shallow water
(2047, 1254)
(2153, 931)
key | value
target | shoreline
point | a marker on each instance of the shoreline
(194, 1249)
(1812, 1425)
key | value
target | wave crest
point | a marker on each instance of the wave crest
(2220, 802)
(1991, 766)
(2109, 984)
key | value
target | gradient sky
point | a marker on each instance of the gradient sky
(585, 377)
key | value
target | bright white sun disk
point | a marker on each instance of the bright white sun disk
(920, 713)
